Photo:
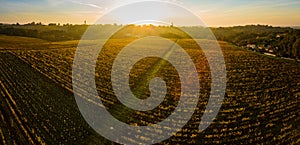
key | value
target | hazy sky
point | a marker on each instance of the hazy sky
(212, 12)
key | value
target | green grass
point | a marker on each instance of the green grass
(7, 42)
(28, 43)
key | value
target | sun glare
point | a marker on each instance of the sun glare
(152, 22)
(151, 13)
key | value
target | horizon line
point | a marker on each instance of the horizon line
(211, 26)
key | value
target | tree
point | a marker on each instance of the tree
(296, 48)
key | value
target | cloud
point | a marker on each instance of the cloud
(87, 4)
(263, 5)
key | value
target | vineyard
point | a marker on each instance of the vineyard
(261, 104)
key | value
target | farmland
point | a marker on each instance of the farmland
(261, 105)
(30, 112)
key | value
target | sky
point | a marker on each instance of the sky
(213, 13)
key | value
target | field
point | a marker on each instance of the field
(261, 105)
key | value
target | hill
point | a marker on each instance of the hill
(279, 41)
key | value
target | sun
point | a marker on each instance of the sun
(152, 22)
(148, 13)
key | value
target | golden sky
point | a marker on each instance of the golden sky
(213, 13)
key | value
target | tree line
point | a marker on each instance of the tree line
(281, 41)
(277, 40)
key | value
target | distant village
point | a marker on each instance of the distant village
(270, 50)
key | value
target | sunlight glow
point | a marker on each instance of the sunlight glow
(214, 13)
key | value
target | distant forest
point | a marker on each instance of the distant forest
(279, 41)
